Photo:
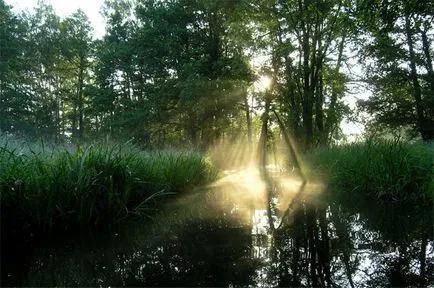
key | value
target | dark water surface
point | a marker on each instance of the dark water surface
(240, 232)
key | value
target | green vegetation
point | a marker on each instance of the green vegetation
(186, 74)
(389, 170)
(180, 72)
(389, 183)
(93, 183)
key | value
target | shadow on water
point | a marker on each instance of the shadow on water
(243, 232)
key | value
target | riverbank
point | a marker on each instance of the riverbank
(388, 170)
(91, 185)
(388, 183)
(342, 227)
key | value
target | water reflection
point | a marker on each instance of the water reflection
(327, 244)
(226, 236)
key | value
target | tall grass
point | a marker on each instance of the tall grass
(389, 183)
(389, 170)
(92, 184)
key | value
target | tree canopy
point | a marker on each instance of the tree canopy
(181, 72)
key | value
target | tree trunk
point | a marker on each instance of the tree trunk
(290, 144)
(299, 232)
(307, 118)
(74, 121)
(429, 68)
(80, 98)
(424, 125)
(331, 113)
(308, 94)
(311, 223)
(342, 232)
(324, 251)
(263, 137)
(192, 131)
(248, 117)
(57, 112)
(263, 162)
(319, 112)
(422, 259)
(428, 58)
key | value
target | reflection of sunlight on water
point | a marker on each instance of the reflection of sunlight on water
(241, 189)
(262, 248)
(248, 179)
(243, 193)
(261, 238)
(243, 186)
(260, 223)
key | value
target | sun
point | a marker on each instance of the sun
(262, 84)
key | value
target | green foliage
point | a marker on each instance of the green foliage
(388, 170)
(389, 182)
(398, 59)
(44, 68)
(170, 73)
(179, 71)
(14, 101)
(94, 183)
(307, 43)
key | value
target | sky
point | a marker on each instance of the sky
(65, 8)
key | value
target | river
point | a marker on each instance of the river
(239, 231)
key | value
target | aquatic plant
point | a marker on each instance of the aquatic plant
(389, 183)
(390, 170)
(92, 184)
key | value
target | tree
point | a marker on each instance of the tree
(77, 53)
(15, 102)
(42, 56)
(400, 69)
(307, 41)
(173, 68)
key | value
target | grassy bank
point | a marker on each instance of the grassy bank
(389, 182)
(389, 170)
(93, 184)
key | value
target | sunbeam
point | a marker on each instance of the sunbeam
(262, 84)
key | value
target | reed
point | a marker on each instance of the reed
(92, 184)
(389, 170)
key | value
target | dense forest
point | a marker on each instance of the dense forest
(181, 72)
(200, 143)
